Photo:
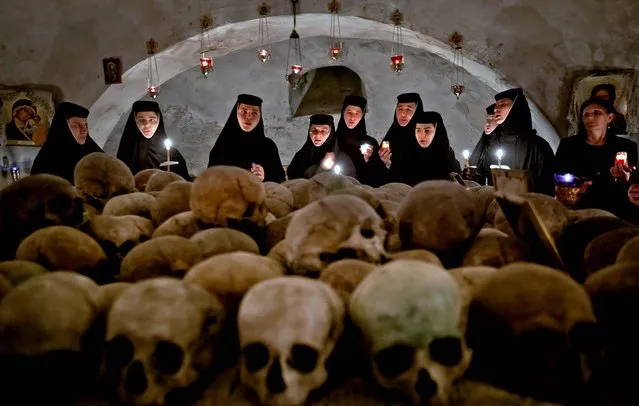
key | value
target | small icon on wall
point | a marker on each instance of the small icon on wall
(112, 68)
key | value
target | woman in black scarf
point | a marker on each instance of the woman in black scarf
(400, 136)
(592, 156)
(522, 147)
(67, 143)
(357, 144)
(242, 142)
(430, 156)
(142, 144)
(320, 152)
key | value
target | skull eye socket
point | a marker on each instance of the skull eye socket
(144, 238)
(367, 232)
(256, 356)
(393, 361)
(60, 204)
(168, 357)
(342, 253)
(446, 351)
(303, 358)
(119, 352)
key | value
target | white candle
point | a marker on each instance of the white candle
(167, 145)
(466, 155)
(500, 155)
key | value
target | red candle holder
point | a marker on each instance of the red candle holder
(206, 65)
(296, 69)
(397, 63)
(621, 158)
(335, 53)
(153, 91)
(263, 55)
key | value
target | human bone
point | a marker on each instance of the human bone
(276, 231)
(390, 221)
(576, 215)
(63, 248)
(553, 214)
(494, 248)
(35, 202)
(345, 275)
(142, 178)
(100, 177)
(162, 256)
(159, 180)
(112, 291)
(137, 203)
(161, 336)
(439, 216)
(419, 255)
(216, 241)
(484, 196)
(278, 253)
(18, 271)
(279, 199)
(469, 278)
(184, 224)
(175, 198)
(604, 250)
(321, 185)
(629, 252)
(298, 189)
(392, 191)
(117, 235)
(409, 314)
(330, 229)
(288, 327)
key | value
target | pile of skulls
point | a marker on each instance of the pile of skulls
(151, 290)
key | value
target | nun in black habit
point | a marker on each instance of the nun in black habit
(68, 141)
(320, 152)
(430, 156)
(400, 136)
(522, 147)
(142, 144)
(242, 142)
(354, 141)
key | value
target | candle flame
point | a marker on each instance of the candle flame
(466, 154)
(167, 144)
(500, 153)
(337, 169)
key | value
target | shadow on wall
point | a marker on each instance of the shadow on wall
(196, 108)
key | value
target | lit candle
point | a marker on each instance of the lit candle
(335, 53)
(621, 158)
(567, 178)
(296, 69)
(500, 155)
(397, 63)
(167, 145)
(206, 65)
(263, 55)
(364, 148)
(337, 169)
(386, 144)
(466, 155)
(153, 91)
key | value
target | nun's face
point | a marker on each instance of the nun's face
(404, 112)
(490, 125)
(319, 133)
(79, 128)
(148, 122)
(248, 116)
(425, 134)
(352, 116)
(596, 118)
(502, 108)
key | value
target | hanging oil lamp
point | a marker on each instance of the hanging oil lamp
(397, 50)
(152, 75)
(206, 62)
(264, 50)
(335, 46)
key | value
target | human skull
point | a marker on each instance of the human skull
(159, 180)
(35, 202)
(173, 199)
(216, 241)
(117, 235)
(604, 250)
(48, 324)
(137, 203)
(288, 327)
(162, 256)
(494, 248)
(184, 224)
(18, 271)
(333, 228)
(161, 336)
(142, 178)
(279, 199)
(99, 177)
(409, 314)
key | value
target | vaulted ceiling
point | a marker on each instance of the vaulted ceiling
(536, 44)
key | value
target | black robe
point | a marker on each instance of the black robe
(235, 147)
(373, 172)
(523, 149)
(307, 161)
(402, 139)
(61, 152)
(593, 163)
(420, 164)
(139, 152)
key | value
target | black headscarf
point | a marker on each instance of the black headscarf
(61, 152)
(236, 147)
(139, 152)
(484, 140)
(436, 161)
(350, 140)
(401, 139)
(307, 161)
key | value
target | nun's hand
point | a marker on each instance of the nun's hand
(621, 172)
(258, 171)
(385, 155)
(367, 153)
(329, 161)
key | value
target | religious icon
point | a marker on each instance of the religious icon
(25, 116)
(112, 68)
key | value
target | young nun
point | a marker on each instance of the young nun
(521, 146)
(242, 142)
(361, 148)
(320, 152)
(142, 144)
(401, 134)
(489, 127)
(68, 141)
(430, 156)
